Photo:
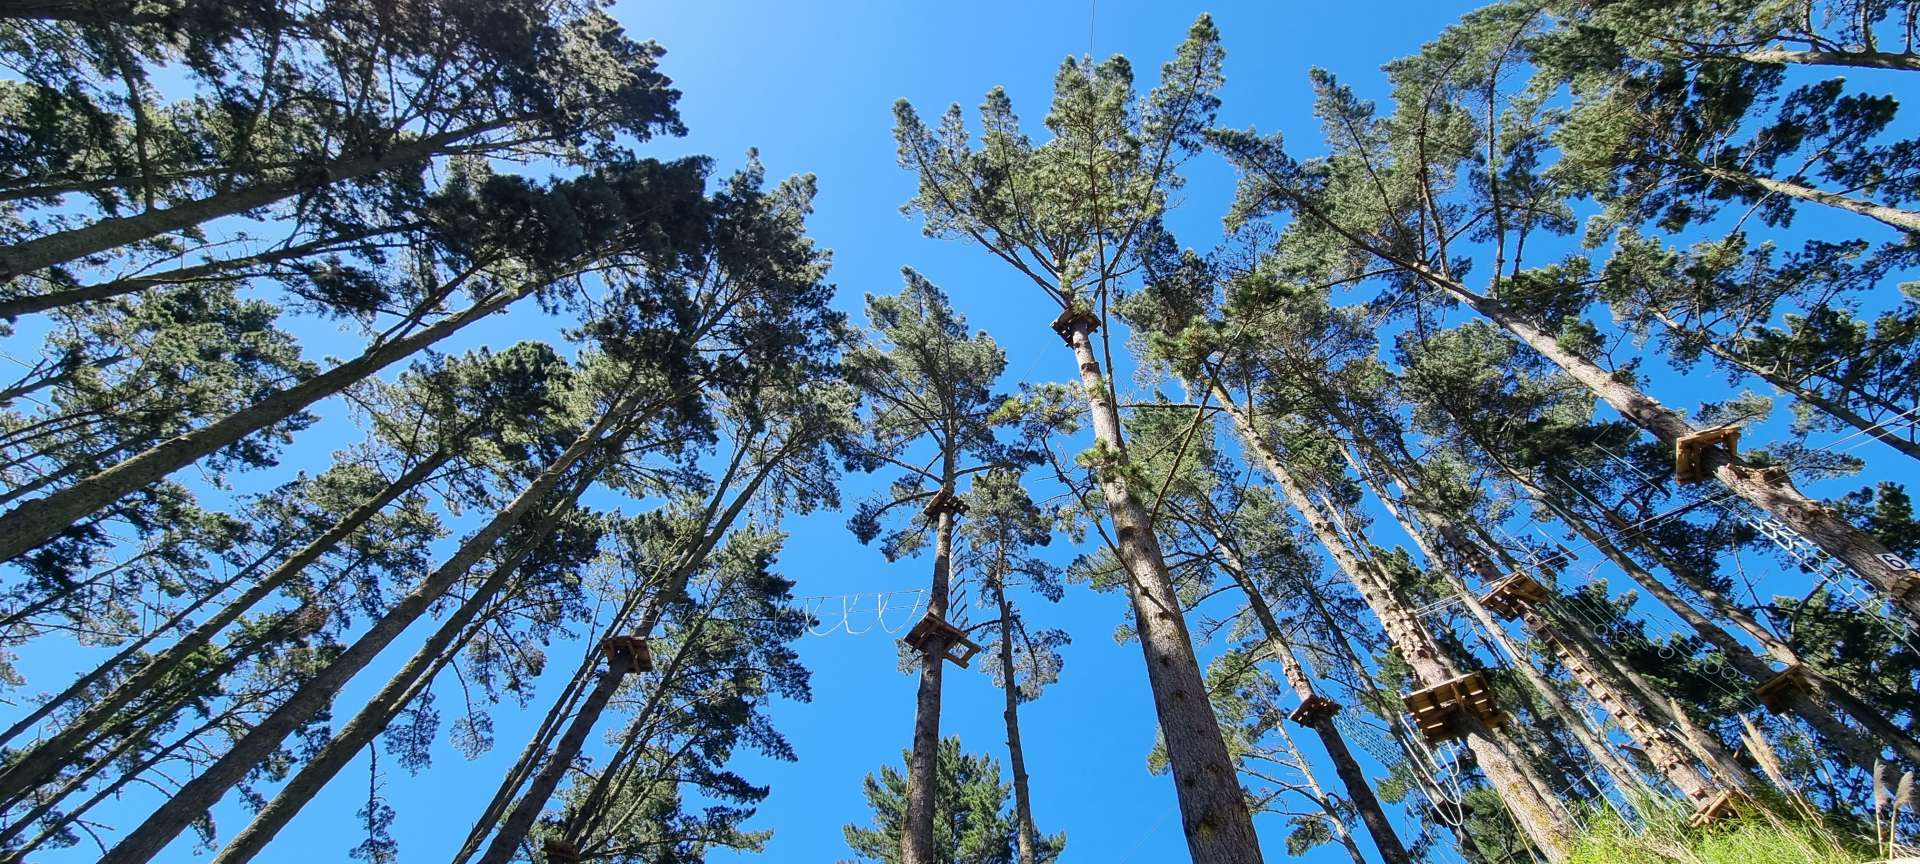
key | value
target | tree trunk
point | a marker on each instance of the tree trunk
(62, 247)
(34, 522)
(1016, 754)
(203, 791)
(1213, 809)
(916, 842)
(401, 689)
(45, 758)
(1359, 792)
(1837, 410)
(1861, 59)
(517, 822)
(1539, 816)
(1823, 528)
(15, 307)
(1904, 220)
(1335, 820)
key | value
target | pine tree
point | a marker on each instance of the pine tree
(971, 826)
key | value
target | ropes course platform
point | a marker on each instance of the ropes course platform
(1440, 710)
(934, 632)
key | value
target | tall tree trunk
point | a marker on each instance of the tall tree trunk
(1336, 821)
(203, 791)
(99, 236)
(45, 758)
(1359, 792)
(1213, 809)
(1904, 220)
(34, 522)
(1820, 526)
(1859, 59)
(1709, 342)
(1540, 817)
(519, 820)
(923, 765)
(17, 306)
(400, 690)
(1016, 754)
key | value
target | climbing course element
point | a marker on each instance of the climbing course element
(933, 633)
(1438, 710)
(632, 648)
(1688, 467)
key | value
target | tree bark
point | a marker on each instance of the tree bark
(916, 842)
(1904, 220)
(1824, 528)
(1016, 754)
(1860, 59)
(45, 758)
(1213, 809)
(62, 247)
(1541, 818)
(203, 791)
(32, 523)
(1359, 792)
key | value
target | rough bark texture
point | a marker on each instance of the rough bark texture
(1016, 754)
(35, 522)
(1862, 59)
(1905, 220)
(916, 844)
(202, 792)
(1821, 527)
(1538, 814)
(1213, 809)
(46, 757)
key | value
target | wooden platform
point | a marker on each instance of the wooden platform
(631, 645)
(945, 502)
(1776, 691)
(1906, 586)
(1514, 596)
(1688, 464)
(1314, 709)
(560, 852)
(1072, 318)
(955, 644)
(1722, 805)
(1439, 710)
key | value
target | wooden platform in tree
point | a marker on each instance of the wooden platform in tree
(633, 646)
(1440, 710)
(1775, 692)
(1514, 596)
(1072, 318)
(1722, 805)
(945, 502)
(560, 852)
(953, 641)
(1906, 586)
(1688, 451)
(1314, 709)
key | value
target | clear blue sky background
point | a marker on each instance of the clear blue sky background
(811, 86)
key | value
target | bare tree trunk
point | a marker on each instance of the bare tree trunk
(112, 232)
(1333, 817)
(1213, 809)
(1016, 754)
(1709, 343)
(34, 522)
(1905, 220)
(406, 684)
(916, 842)
(1861, 59)
(45, 758)
(1540, 817)
(1359, 791)
(203, 791)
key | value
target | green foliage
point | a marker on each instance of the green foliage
(973, 822)
(1755, 838)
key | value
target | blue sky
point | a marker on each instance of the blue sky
(811, 86)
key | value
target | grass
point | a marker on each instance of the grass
(1757, 836)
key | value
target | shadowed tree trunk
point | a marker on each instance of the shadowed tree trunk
(1213, 809)
(1016, 754)
(35, 522)
(916, 843)
(1535, 810)
(202, 792)
(44, 759)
